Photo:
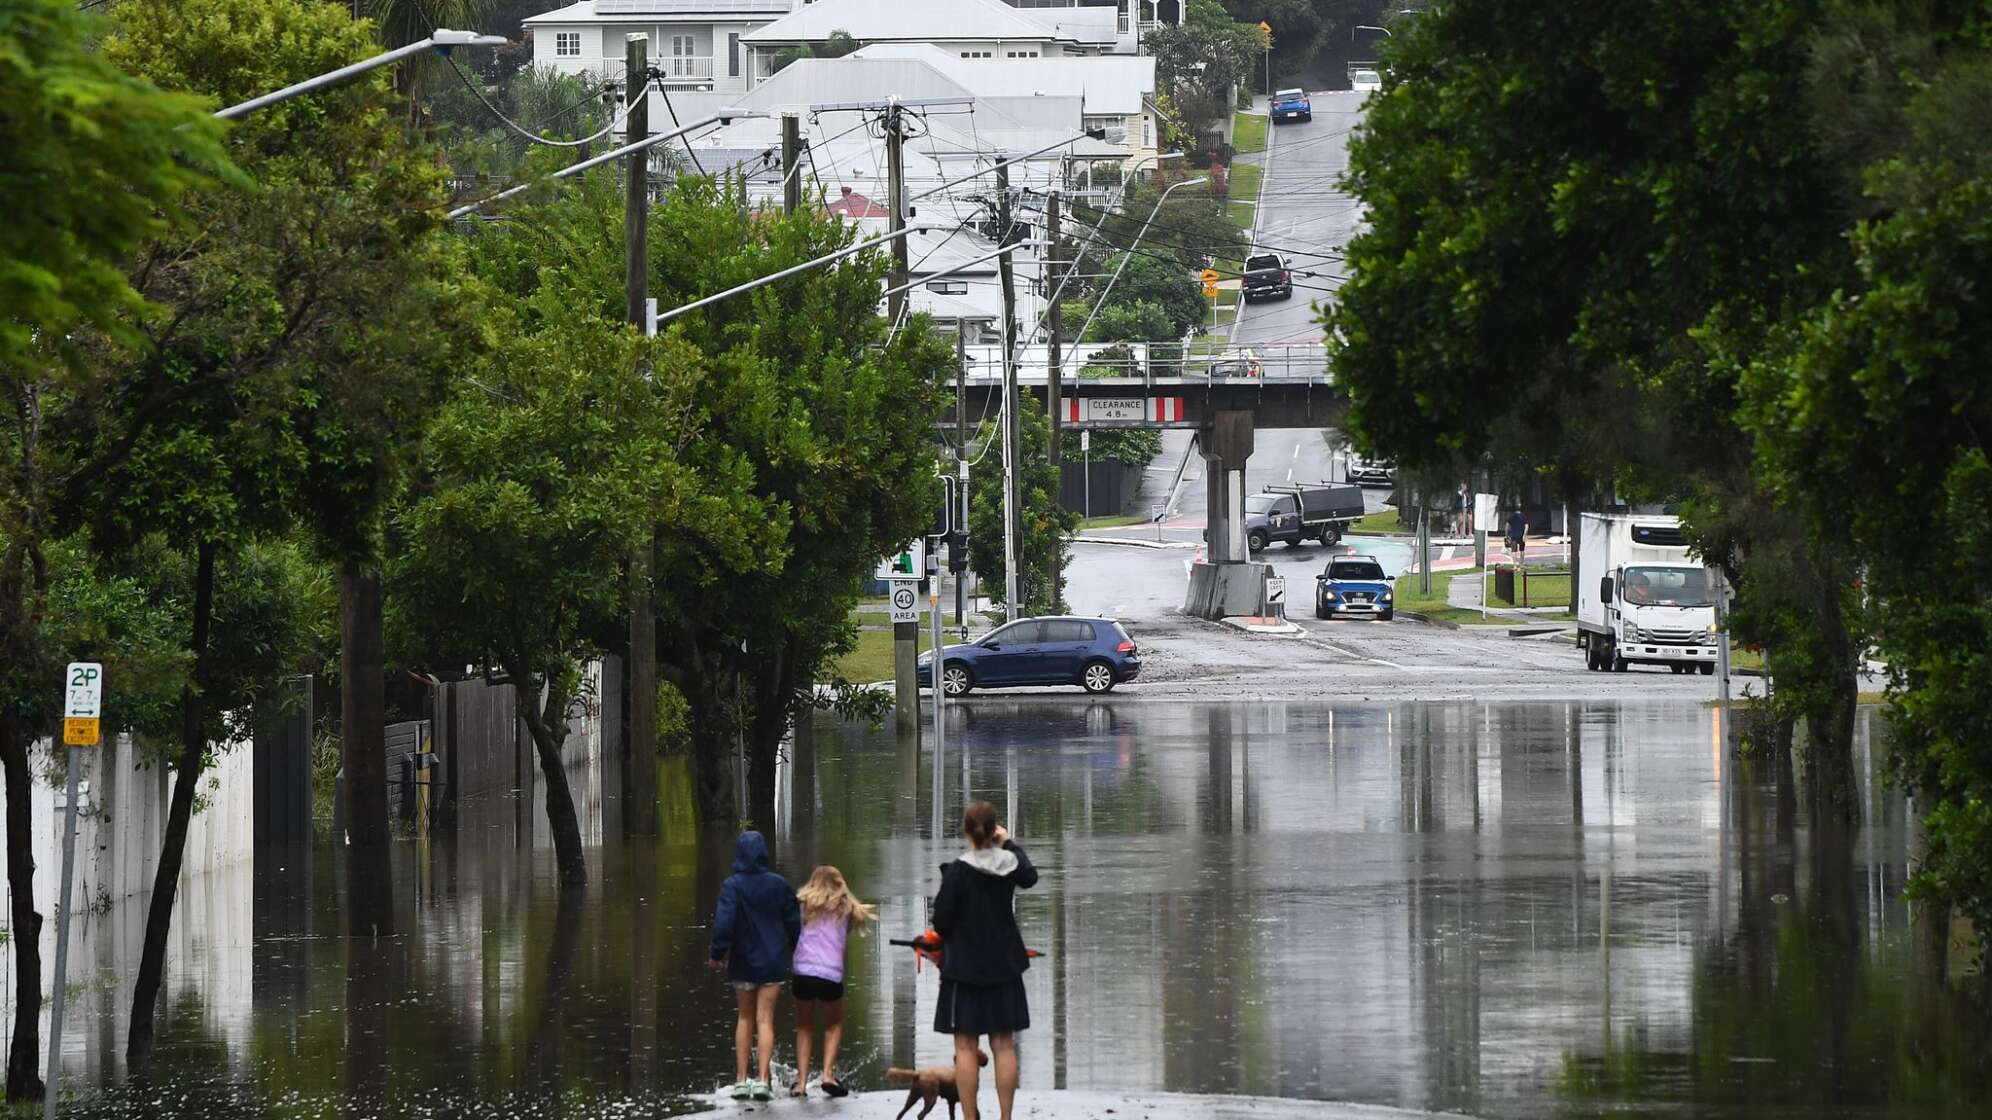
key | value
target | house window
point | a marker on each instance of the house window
(567, 44)
(1109, 123)
(732, 55)
(976, 54)
(948, 287)
(1023, 54)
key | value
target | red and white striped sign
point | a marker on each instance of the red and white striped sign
(1124, 410)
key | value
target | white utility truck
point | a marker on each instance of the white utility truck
(1642, 600)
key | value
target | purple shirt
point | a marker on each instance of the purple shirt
(820, 953)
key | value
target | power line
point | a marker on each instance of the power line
(515, 126)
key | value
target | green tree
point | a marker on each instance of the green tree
(1162, 282)
(1191, 226)
(1131, 321)
(97, 161)
(540, 477)
(1499, 154)
(1202, 62)
(1044, 526)
(830, 419)
(311, 318)
(1876, 417)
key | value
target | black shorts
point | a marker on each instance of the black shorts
(815, 989)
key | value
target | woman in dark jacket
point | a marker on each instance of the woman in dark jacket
(982, 955)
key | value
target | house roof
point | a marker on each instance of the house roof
(662, 11)
(819, 81)
(855, 205)
(1108, 84)
(945, 21)
(1093, 25)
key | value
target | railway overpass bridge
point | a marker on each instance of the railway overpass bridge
(1224, 398)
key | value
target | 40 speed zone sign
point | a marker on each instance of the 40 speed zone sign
(905, 606)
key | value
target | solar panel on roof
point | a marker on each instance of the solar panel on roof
(689, 7)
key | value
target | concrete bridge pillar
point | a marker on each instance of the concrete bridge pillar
(1226, 443)
(1227, 582)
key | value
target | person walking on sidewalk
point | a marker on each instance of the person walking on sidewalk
(753, 932)
(1518, 528)
(983, 957)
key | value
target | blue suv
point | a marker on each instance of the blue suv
(1354, 586)
(1093, 653)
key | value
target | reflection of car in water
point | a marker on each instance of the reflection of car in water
(1354, 586)
(1094, 653)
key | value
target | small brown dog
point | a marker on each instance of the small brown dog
(935, 1083)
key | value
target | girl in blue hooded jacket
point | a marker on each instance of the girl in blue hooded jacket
(753, 932)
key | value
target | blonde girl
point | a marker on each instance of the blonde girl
(829, 913)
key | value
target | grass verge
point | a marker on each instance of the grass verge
(871, 659)
(1248, 132)
(1244, 186)
(1383, 521)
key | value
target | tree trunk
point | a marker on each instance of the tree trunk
(548, 727)
(1930, 919)
(711, 725)
(774, 705)
(24, 1081)
(363, 739)
(180, 813)
(1829, 754)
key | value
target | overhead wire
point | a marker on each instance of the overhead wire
(614, 122)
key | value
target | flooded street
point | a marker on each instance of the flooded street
(1509, 910)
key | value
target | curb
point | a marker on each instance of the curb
(1134, 542)
(1414, 616)
(1239, 622)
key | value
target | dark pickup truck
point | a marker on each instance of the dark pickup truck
(1321, 511)
(1267, 277)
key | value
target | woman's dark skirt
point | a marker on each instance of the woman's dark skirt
(982, 1009)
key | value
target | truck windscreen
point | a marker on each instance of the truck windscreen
(1667, 587)
(1260, 504)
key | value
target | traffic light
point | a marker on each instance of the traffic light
(958, 551)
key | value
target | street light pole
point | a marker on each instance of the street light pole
(440, 41)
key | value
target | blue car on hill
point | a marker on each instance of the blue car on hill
(1354, 587)
(1094, 653)
(1292, 105)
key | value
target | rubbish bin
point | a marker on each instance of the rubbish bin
(1504, 585)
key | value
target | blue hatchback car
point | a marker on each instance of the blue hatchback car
(1354, 586)
(1093, 653)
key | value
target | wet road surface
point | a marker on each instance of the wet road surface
(1305, 216)
(1503, 909)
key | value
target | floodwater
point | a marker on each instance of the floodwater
(1512, 910)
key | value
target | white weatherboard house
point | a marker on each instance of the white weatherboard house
(727, 46)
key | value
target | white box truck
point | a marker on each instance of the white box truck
(1642, 600)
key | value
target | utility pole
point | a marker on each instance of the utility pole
(640, 774)
(895, 170)
(1054, 327)
(961, 460)
(1054, 383)
(1012, 412)
(905, 635)
(791, 156)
